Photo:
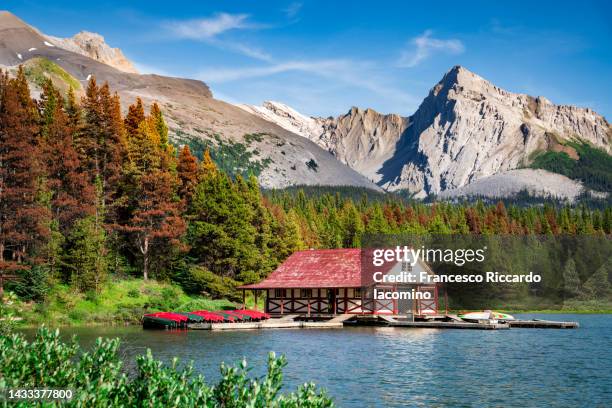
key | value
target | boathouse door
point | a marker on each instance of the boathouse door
(331, 298)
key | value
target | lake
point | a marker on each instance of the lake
(394, 367)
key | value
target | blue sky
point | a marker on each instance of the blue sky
(322, 57)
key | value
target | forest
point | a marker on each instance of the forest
(89, 195)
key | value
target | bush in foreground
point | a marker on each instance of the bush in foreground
(98, 379)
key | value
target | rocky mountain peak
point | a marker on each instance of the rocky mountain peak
(94, 46)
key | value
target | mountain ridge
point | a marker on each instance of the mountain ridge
(465, 130)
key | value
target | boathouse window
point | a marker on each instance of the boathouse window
(406, 267)
(357, 293)
(306, 293)
(280, 293)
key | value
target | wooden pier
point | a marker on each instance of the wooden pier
(543, 324)
(339, 321)
(452, 322)
(451, 325)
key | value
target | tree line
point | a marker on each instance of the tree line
(86, 191)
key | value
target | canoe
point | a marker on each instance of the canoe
(152, 322)
(257, 315)
(209, 316)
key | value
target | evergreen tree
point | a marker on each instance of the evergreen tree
(572, 287)
(24, 219)
(135, 116)
(187, 169)
(86, 256)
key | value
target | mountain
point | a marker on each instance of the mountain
(465, 130)
(92, 45)
(279, 157)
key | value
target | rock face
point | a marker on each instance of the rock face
(465, 130)
(92, 45)
(362, 139)
(190, 110)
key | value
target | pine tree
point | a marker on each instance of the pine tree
(135, 116)
(102, 144)
(572, 287)
(187, 169)
(155, 224)
(160, 125)
(72, 193)
(86, 257)
(23, 217)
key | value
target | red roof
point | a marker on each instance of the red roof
(316, 268)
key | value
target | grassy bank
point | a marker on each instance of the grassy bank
(119, 302)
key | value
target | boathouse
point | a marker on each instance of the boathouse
(332, 281)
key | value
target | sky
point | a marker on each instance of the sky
(323, 57)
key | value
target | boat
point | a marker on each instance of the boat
(180, 320)
(485, 315)
(164, 320)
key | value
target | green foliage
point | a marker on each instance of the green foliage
(7, 313)
(99, 380)
(201, 281)
(571, 280)
(593, 168)
(229, 230)
(257, 137)
(118, 302)
(231, 157)
(86, 256)
(312, 165)
(33, 283)
(598, 285)
(39, 70)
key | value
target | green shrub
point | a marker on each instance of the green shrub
(202, 281)
(133, 293)
(167, 299)
(98, 379)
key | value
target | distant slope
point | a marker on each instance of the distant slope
(539, 183)
(191, 111)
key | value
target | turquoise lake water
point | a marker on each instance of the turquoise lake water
(396, 367)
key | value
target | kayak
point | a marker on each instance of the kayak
(486, 315)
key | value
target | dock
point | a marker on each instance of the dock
(543, 324)
(451, 325)
(295, 321)
(268, 324)
(453, 322)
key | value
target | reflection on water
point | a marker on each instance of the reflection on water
(393, 367)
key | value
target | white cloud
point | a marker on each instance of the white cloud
(424, 46)
(340, 71)
(220, 75)
(208, 28)
(293, 9)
